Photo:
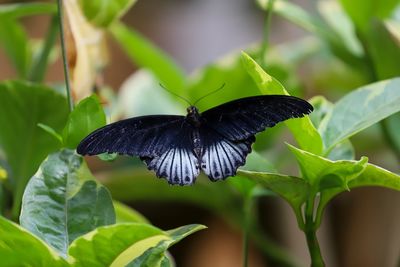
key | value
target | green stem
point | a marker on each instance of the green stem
(64, 54)
(39, 65)
(310, 230)
(267, 26)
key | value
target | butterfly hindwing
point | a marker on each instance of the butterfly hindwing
(177, 164)
(222, 157)
(140, 136)
(242, 118)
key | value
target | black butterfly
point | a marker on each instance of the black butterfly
(216, 141)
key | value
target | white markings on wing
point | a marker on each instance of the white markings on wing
(178, 165)
(223, 157)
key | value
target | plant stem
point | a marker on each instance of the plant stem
(39, 65)
(267, 26)
(310, 231)
(64, 54)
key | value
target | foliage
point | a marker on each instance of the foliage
(68, 218)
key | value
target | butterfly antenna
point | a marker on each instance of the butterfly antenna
(213, 92)
(172, 93)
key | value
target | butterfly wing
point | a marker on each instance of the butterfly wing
(222, 157)
(139, 136)
(228, 130)
(243, 118)
(177, 164)
(162, 141)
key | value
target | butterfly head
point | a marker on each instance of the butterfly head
(192, 110)
(193, 115)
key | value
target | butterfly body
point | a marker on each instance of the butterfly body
(216, 141)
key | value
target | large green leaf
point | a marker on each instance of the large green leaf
(86, 117)
(103, 12)
(156, 255)
(120, 244)
(18, 247)
(15, 42)
(359, 110)
(363, 11)
(22, 107)
(143, 53)
(26, 9)
(63, 201)
(302, 128)
(345, 149)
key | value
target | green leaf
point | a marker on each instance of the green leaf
(376, 176)
(86, 117)
(384, 50)
(360, 109)
(142, 52)
(154, 256)
(129, 241)
(63, 201)
(296, 14)
(51, 131)
(363, 11)
(15, 42)
(342, 151)
(392, 124)
(326, 177)
(102, 13)
(322, 173)
(293, 189)
(18, 247)
(371, 176)
(26, 9)
(22, 107)
(256, 163)
(321, 107)
(125, 213)
(302, 128)
(315, 25)
(336, 17)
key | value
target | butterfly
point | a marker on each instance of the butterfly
(216, 141)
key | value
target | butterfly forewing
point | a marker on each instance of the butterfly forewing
(242, 118)
(144, 136)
